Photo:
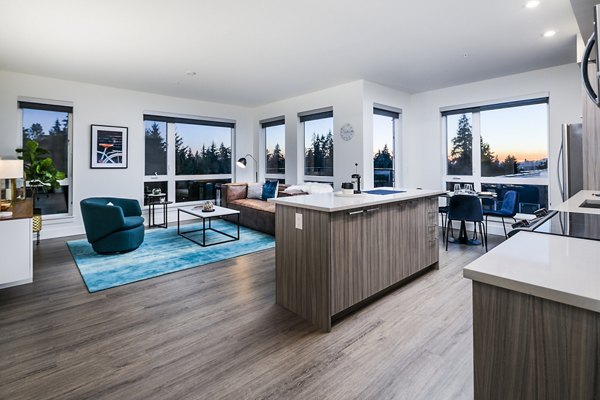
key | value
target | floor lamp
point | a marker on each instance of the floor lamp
(242, 162)
(10, 169)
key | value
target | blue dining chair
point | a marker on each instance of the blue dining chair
(466, 208)
(510, 206)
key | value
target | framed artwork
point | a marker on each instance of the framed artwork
(109, 147)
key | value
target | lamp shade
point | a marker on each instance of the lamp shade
(11, 169)
(242, 162)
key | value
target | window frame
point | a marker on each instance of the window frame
(312, 116)
(395, 115)
(171, 177)
(476, 177)
(59, 106)
(266, 124)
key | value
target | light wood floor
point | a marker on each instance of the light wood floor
(214, 332)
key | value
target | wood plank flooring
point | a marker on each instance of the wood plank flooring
(214, 332)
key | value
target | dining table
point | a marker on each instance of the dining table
(463, 236)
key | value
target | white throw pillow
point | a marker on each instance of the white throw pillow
(310, 188)
(255, 190)
(294, 188)
(318, 188)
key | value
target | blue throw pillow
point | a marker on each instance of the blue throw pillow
(270, 190)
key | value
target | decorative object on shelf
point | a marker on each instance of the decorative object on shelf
(109, 147)
(156, 191)
(208, 206)
(11, 170)
(40, 173)
(242, 162)
(347, 188)
(347, 132)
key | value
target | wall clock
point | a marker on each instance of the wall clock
(347, 132)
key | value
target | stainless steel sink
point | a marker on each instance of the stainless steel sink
(590, 204)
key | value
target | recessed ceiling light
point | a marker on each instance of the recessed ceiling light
(532, 4)
(549, 33)
(190, 73)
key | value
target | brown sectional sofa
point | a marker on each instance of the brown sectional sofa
(254, 213)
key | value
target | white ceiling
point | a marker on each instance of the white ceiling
(255, 52)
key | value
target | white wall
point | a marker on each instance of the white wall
(423, 162)
(347, 104)
(94, 104)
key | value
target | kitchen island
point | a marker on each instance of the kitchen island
(334, 253)
(536, 318)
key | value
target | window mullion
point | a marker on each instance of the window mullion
(476, 122)
(171, 160)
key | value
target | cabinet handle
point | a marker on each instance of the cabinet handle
(372, 210)
(355, 212)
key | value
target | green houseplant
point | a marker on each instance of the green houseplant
(40, 174)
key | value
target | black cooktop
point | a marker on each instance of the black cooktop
(578, 225)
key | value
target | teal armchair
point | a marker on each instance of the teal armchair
(116, 228)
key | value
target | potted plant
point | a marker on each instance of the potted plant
(40, 174)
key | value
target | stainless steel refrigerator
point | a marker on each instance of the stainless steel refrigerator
(570, 160)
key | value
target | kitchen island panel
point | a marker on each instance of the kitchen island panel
(527, 347)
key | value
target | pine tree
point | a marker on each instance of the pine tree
(56, 129)
(461, 155)
(156, 151)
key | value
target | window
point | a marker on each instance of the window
(50, 126)
(318, 145)
(187, 158)
(156, 147)
(275, 149)
(384, 146)
(512, 143)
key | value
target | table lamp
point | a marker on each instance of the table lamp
(242, 162)
(10, 169)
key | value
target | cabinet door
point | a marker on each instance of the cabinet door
(417, 243)
(591, 138)
(349, 277)
(15, 248)
(380, 260)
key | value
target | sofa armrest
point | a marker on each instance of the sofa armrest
(131, 208)
(100, 220)
(233, 191)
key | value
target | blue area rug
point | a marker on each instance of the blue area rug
(163, 252)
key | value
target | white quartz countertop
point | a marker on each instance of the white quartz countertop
(574, 203)
(557, 268)
(329, 202)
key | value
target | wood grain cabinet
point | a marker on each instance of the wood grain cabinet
(591, 138)
(340, 259)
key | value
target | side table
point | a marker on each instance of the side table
(153, 201)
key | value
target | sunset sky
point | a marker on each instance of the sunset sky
(518, 131)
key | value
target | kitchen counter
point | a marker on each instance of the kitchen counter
(536, 314)
(574, 203)
(330, 202)
(557, 268)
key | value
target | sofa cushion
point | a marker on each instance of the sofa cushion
(270, 190)
(236, 191)
(255, 204)
(255, 190)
